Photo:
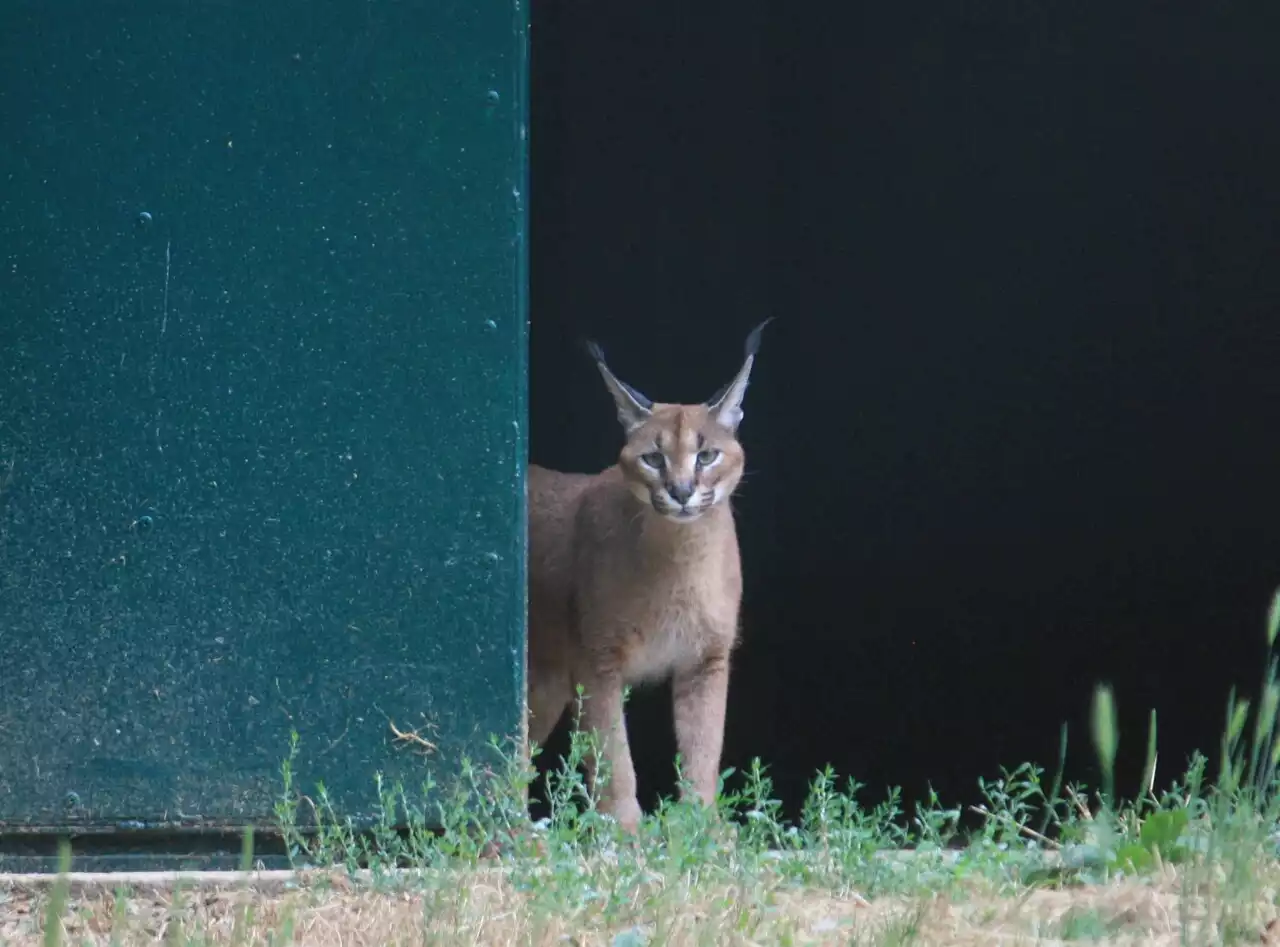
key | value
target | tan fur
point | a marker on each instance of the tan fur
(629, 586)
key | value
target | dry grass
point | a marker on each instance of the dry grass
(482, 906)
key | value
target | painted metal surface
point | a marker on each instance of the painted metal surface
(262, 400)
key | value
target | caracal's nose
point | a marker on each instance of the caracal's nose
(680, 492)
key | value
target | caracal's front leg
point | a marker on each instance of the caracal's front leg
(602, 715)
(701, 693)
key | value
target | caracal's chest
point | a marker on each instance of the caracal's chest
(662, 614)
(672, 630)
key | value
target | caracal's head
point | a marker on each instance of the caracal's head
(681, 459)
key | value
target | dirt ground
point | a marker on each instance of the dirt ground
(332, 909)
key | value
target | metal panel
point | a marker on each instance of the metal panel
(262, 398)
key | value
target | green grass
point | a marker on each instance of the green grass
(1049, 862)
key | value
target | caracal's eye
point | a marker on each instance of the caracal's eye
(653, 459)
(708, 457)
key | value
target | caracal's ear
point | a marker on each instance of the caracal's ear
(633, 408)
(726, 404)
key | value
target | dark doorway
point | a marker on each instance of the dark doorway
(1015, 428)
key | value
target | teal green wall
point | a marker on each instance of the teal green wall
(262, 399)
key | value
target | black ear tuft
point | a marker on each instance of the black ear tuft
(597, 354)
(753, 340)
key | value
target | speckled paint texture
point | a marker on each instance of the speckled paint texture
(262, 401)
